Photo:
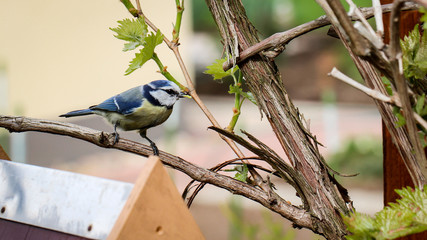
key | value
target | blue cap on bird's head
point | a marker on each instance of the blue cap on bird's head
(169, 86)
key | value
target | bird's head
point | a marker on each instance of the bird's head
(163, 93)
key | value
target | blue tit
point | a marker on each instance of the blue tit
(138, 108)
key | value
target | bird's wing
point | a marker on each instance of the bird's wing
(123, 103)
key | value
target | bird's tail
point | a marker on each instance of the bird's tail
(77, 113)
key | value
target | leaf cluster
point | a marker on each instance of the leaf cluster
(414, 50)
(135, 34)
(407, 216)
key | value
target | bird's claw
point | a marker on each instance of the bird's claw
(116, 138)
(155, 149)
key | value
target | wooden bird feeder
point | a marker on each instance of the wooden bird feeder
(43, 203)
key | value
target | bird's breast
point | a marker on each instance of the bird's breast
(146, 116)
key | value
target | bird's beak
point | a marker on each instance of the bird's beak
(184, 95)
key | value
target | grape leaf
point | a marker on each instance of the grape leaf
(132, 31)
(414, 54)
(407, 216)
(146, 53)
(216, 70)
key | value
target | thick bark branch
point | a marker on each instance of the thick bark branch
(316, 187)
(105, 140)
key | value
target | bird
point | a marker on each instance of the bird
(138, 108)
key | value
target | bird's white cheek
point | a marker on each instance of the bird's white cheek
(164, 98)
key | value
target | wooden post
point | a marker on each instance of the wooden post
(155, 209)
(396, 175)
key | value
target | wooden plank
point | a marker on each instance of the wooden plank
(155, 209)
(396, 175)
(3, 154)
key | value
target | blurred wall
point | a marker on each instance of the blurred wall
(57, 56)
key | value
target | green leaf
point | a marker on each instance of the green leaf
(400, 118)
(420, 104)
(217, 71)
(360, 225)
(242, 173)
(151, 41)
(424, 111)
(393, 223)
(414, 55)
(423, 138)
(132, 31)
(236, 89)
(131, 46)
(136, 62)
(250, 97)
(423, 17)
(146, 53)
(407, 216)
(410, 43)
(387, 85)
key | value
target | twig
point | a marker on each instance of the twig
(360, 44)
(378, 13)
(370, 92)
(422, 2)
(374, 94)
(106, 140)
(367, 31)
(217, 168)
(278, 40)
(177, 26)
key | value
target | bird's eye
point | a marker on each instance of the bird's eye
(170, 92)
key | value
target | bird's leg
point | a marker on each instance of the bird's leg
(152, 144)
(116, 134)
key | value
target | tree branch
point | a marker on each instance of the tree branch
(375, 94)
(105, 140)
(316, 187)
(401, 85)
(277, 41)
(368, 91)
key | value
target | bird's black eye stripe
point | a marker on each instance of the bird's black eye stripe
(170, 92)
